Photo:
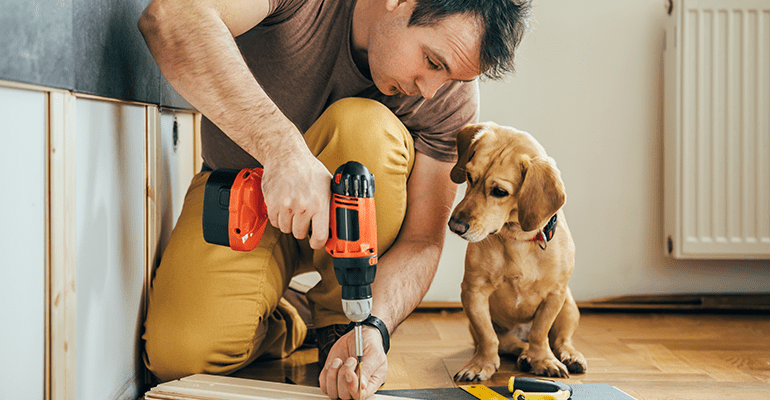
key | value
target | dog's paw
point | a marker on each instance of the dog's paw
(479, 369)
(550, 367)
(574, 360)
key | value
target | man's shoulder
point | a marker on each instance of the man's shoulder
(283, 10)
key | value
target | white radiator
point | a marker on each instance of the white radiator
(717, 130)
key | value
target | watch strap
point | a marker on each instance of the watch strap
(377, 323)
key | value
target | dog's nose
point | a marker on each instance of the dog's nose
(457, 226)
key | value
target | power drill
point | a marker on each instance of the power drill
(353, 245)
(235, 215)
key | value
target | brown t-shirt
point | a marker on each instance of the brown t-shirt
(301, 55)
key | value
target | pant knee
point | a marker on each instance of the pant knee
(366, 131)
(205, 346)
(191, 352)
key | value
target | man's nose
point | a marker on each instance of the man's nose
(429, 85)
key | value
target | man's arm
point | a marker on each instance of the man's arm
(406, 270)
(404, 274)
(193, 44)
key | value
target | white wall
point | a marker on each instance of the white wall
(589, 87)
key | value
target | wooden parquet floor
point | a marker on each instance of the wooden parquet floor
(647, 355)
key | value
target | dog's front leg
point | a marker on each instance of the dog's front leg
(539, 357)
(485, 361)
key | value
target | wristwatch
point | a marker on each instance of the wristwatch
(377, 323)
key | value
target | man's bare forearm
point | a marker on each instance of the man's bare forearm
(404, 275)
(196, 51)
(406, 270)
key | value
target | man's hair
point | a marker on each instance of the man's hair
(504, 23)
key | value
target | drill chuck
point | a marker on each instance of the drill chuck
(357, 310)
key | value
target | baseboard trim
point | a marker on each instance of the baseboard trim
(682, 302)
(440, 305)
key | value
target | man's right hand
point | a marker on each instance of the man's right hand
(297, 194)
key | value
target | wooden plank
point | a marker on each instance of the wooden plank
(29, 86)
(47, 355)
(62, 268)
(152, 211)
(662, 358)
(213, 387)
(198, 146)
(152, 229)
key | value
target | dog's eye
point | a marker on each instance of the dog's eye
(468, 178)
(498, 192)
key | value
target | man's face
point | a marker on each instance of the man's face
(419, 60)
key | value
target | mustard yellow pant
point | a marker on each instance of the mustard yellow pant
(214, 310)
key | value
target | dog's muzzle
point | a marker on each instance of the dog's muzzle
(457, 226)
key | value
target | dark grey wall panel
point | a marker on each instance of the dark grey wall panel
(36, 44)
(111, 58)
(88, 46)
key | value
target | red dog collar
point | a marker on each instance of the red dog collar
(543, 237)
(546, 234)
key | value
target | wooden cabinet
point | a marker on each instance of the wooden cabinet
(90, 185)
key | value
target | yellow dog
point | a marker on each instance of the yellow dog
(520, 256)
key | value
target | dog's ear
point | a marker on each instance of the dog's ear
(465, 138)
(542, 192)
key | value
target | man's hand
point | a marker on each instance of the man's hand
(297, 194)
(338, 378)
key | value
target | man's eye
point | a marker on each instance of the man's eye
(498, 192)
(468, 178)
(432, 64)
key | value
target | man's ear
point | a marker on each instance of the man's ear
(542, 192)
(391, 5)
(465, 138)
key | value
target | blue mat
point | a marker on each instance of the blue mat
(584, 391)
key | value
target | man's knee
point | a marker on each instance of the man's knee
(367, 131)
(359, 112)
(187, 355)
(185, 350)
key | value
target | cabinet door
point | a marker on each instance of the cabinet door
(111, 245)
(22, 243)
(176, 167)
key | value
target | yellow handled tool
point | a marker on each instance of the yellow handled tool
(538, 389)
(560, 395)
(523, 389)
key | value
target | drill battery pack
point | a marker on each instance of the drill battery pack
(234, 211)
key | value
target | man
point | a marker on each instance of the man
(300, 87)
